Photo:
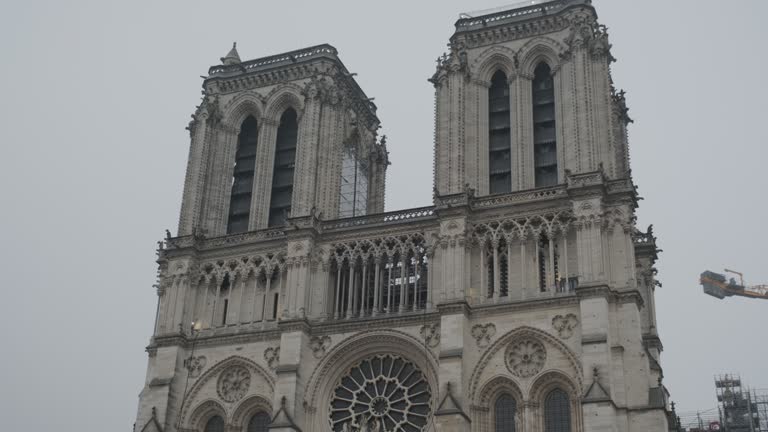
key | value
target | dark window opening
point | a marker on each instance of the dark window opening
(282, 176)
(499, 136)
(242, 180)
(353, 197)
(274, 306)
(224, 314)
(557, 412)
(504, 413)
(259, 422)
(215, 424)
(544, 132)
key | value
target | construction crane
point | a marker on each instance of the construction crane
(716, 285)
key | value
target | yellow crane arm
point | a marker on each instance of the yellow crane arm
(716, 285)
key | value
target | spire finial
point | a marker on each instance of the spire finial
(232, 56)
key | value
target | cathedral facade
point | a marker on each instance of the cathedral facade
(521, 300)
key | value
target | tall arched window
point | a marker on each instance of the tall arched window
(242, 181)
(353, 197)
(557, 412)
(285, 161)
(504, 413)
(544, 137)
(499, 135)
(259, 422)
(215, 424)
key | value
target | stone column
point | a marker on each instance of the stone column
(262, 179)
(294, 340)
(449, 414)
(496, 271)
(306, 158)
(377, 286)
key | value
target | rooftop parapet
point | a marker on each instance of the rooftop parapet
(514, 13)
(278, 60)
(233, 69)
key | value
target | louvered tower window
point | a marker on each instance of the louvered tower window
(544, 138)
(353, 197)
(242, 181)
(259, 422)
(504, 413)
(557, 412)
(499, 138)
(285, 161)
(215, 424)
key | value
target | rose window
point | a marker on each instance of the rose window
(526, 358)
(382, 393)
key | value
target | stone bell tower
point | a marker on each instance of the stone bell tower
(265, 120)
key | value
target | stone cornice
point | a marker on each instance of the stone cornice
(459, 307)
(320, 328)
(602, 290)
(524, 22)
(295, 325)
(213, 339)
(305, 63)
(488, 310)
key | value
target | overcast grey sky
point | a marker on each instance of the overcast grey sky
(93, 149)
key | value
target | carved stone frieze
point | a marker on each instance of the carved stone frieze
(564, 325)
(319, 345)
(483, 334)
(526, 358)
(195, 365)
(272, 356)
(431, 334)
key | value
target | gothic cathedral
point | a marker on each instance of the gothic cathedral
(521, 300)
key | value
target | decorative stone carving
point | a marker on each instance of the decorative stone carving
(272, 356)
(195, 365)
(431, 334)
(483, 334)
(319, 345)
(565, 325)
(233, 383)
(384, 392)
(526, 358)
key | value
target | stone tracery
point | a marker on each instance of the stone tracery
(383, 391)
(526, 358)
(233, 383)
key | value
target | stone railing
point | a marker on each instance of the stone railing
(276, 60)
(227, 240)
(390, 218)
(520, 197)
(513, 14)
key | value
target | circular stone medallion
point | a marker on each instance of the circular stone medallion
(233, 383)
(526, 358)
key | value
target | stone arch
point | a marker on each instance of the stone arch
(347, 353)
(546, 383)
(537, 50)
(212, 376)
(247, 408)
(241, 106)
(494, 58)
(511, 337)
(495, 387)
(203, 412)
(550, 380)
(280, 99)
(484, 411)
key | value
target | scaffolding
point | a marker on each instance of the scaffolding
(740, 409)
